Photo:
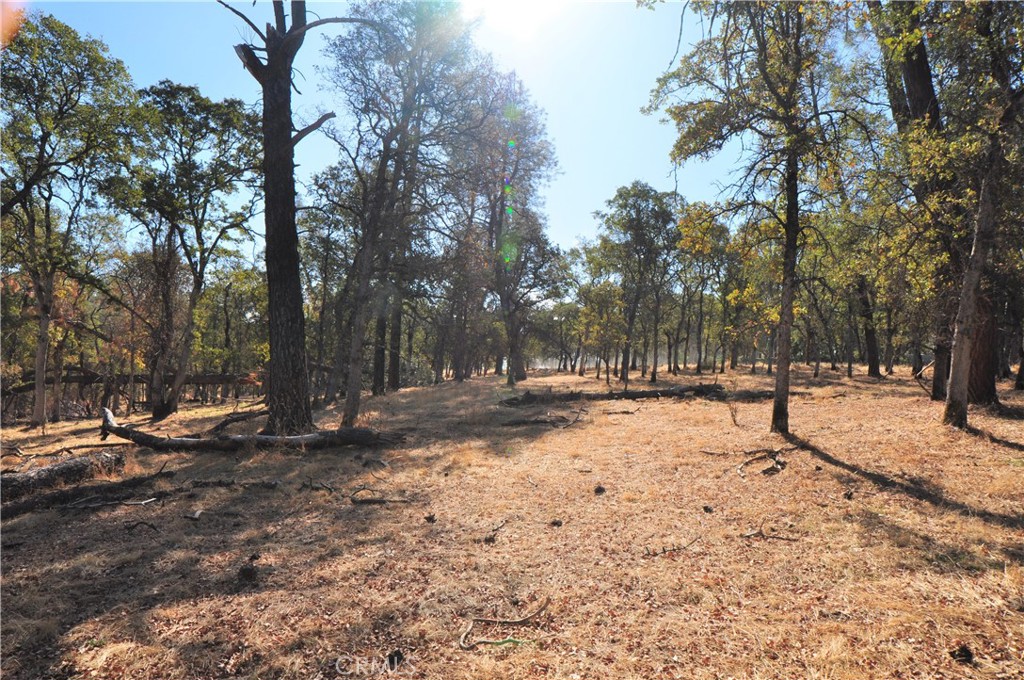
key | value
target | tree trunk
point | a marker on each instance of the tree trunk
(288, 397)
(380, 338)
(1018, 383)
(984, 355)
(654, 335)
(867, 313)
(958, 388)
(42, 353)
(13, 486)
(780, 407)
(395, 348)
(700, 332)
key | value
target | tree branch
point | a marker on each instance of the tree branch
(312, 127)
(297, 32)
(251, 62)
(245, 19)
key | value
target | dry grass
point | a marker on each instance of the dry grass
(907, 543)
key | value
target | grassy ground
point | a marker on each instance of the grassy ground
(888, 545)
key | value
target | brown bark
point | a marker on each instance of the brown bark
(395, 348)
(984, 355)
(867, 315)
(784, 335)
(42, 352)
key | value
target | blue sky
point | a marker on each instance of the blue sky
(589, 65)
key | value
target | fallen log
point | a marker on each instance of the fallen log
(549, 419)
(713, 391)
(236, 418)
(16, 485)
(344, 436)
(124, 489)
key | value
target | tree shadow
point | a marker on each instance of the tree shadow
(937, 555)
(72, 572)
(1005, 411)
(930, 493)
(989, 437)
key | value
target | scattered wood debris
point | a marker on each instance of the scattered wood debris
(466, 644)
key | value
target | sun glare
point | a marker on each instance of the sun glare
(517, 19)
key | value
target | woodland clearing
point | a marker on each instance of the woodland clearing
(874, 542)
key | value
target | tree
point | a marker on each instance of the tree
(288, 396)
(65, 119)
(639, 238)
(702, 243)
(197, 153)
(751, 77)
(990, 70)
(406, 92)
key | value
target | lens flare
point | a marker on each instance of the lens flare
(12, 14)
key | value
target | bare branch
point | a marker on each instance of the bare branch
(297, 32)
(312, 127)
(245, 19)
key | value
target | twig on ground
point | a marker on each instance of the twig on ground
(317, 486)
(493, 535)
(466, 645)
(760, 534)
(103, 504)
(666, 550)
(373, 501)
(579, 415)
(766, 454)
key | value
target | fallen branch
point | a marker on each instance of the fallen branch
(81, 505)
(622, 413)
(666, 550)
(918, 378)
(228, 483)
(547, 419)
(778, 465)
(236, 418)
(375, 500)
(579, 416)
(463, 639)
(20, 484)
(119, 491)
(345, 436)
(317, 486)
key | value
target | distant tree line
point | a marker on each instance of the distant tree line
(873, 219)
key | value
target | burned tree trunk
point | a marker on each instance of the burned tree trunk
(68, 471)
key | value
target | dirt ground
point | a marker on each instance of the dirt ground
(882, 545)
